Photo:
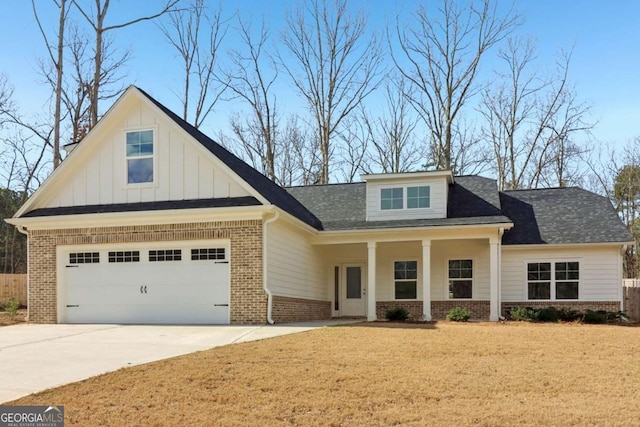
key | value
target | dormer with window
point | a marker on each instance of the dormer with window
(412, 195)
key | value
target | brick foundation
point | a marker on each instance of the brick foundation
(581, 306)
(480, 310)
(248, 301)
(286, 310)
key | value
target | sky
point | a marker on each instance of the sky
(604, 36)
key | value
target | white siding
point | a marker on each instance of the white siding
(182, 169)
(294, 267)
(600, 277)
(387, 254)
(438, 193)
(444, 250)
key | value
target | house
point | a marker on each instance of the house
(150, 221)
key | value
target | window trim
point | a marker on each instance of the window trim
(552, 282)
(473, 280)
(154, 157)
(417, 280)
(405, 191)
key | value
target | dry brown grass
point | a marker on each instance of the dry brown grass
(5, 320)
(443, 374)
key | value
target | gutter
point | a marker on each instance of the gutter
(275, 216)
(24, 231)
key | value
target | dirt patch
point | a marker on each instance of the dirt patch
(440, 374)
(5, 320)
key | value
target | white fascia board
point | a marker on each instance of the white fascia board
(114, 219)
(563, 246)
(445, 232)
(286, 216)
(407, 175)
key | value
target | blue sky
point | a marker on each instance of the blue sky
(605, 37)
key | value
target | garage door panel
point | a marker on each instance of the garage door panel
(144, 291)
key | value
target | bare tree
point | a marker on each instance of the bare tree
(251, 80)
(197, 33)
(57, 60)
(392, 135)
(441, 56)
(96, 19)
(334, 65)
(530, 120)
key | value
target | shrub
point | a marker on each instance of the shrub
(397, 314)
(549, 314)
(12, 307)
(591, 316)
(568, 315)
(459, 314)
(524, 314)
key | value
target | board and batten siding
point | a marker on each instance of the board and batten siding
(600, 270)
(438, 199)
(183, 169)
(295, 268)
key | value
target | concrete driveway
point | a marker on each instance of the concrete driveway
(38, 357)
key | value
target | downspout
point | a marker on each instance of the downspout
(264, 267)
(500, 234)
(621, 255)
(24, 231)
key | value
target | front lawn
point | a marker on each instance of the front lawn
(379, 374)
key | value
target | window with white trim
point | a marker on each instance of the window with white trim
(140, 157)
(553, 280)
(405, 274)
(460, 278)
(418, 197)
(391, 198)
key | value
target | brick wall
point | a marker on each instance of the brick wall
(581, 306)
(480, 310)
(287, 309)
(248, 301)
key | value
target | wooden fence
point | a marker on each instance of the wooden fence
(631, 294)
(13, 285)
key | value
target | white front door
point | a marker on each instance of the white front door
(354, 291)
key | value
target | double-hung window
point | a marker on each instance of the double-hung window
(460, 279)
(553, 280)
(405, 276)
(140, 157)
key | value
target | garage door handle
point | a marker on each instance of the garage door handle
(73, 306)
(221, 305)
(73, 266)
(145, 289)
(222, 262)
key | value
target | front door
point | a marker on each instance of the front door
(354, 291)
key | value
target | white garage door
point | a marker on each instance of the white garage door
(155, 284)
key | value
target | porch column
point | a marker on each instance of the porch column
(371, 281)
(426, 279)
(494, 271)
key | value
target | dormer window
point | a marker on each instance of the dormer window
(391, 198)
(418, 197)
(140, 157)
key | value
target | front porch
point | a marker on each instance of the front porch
(428, 276)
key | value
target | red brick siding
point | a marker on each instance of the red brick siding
(414, 308)
(248, 303)
(581, 306)
(287, 309)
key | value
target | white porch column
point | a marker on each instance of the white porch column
(426, 279)
(371, 281)
(494, 272)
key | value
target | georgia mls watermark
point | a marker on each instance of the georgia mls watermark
(31, 416)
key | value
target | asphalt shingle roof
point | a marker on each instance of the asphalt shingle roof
(145, 206)
(472, 200)
(561, 216)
